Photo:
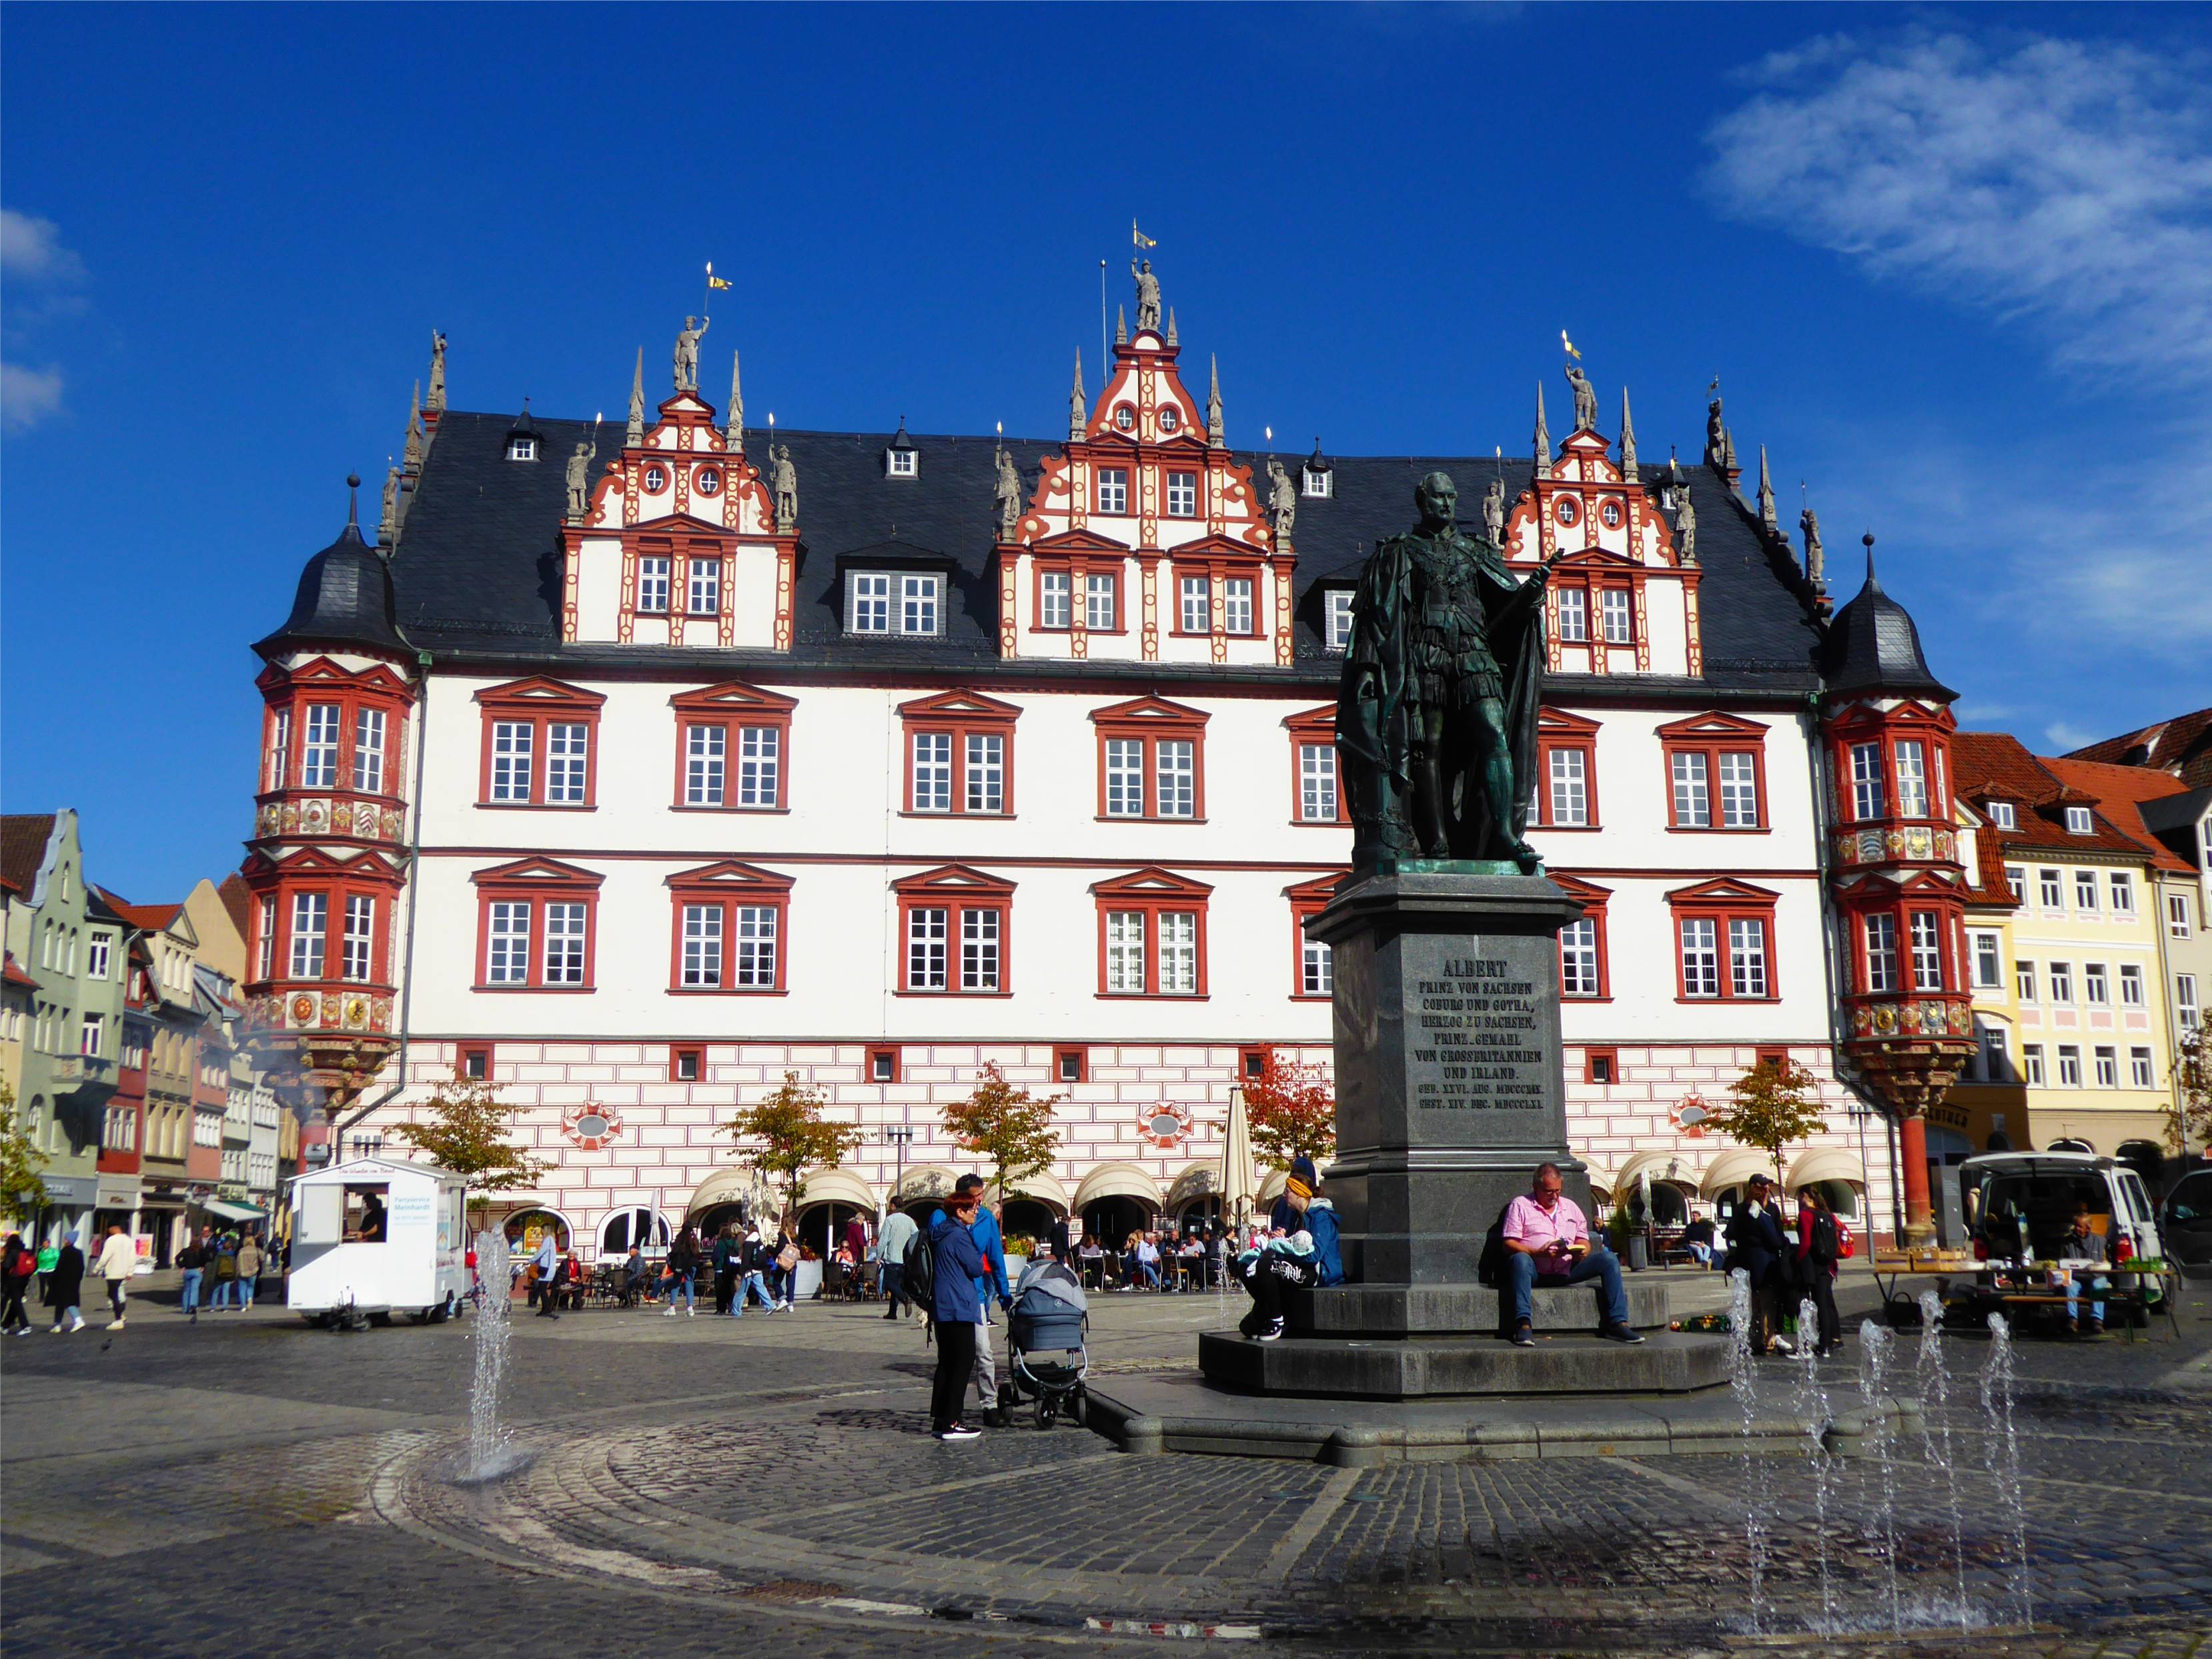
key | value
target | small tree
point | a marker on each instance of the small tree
(783, 1135)
(1771, 1105)
(1008, 1128)
(466, 1132)
(1292, 1109)
(2192, 1119)
(22, 1194)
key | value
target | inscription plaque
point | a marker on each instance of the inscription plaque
(1477, 1043)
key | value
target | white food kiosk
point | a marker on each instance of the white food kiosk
(378, 1235)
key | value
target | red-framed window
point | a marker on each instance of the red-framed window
(1252, 1063)
(1313, 966)
(1723, 942)
(537, 927)
(1565, 792)
(1151, 760)
(540, 745)
(1585, 966)
(1777, 1058)
(687, 1063)
(884, 1064)
(1080, 588)
(1906, 947)
(956, 934)
(472, 1062)
(1227, 590)
(1152, 935)
(728, 923)
(1891, 768)
(325, 727)
(1316, 790)
(319, 922)
(733, 750)
(1071, 1065)
(1601, 1067)
(959, 755)
(1598, 603)
(1716, 777)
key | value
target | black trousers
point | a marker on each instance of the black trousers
(1268, 1275)
(726, 1285)
(11, 1304)
(1822, 1290)
(956, 1363)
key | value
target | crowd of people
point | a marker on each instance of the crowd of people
(1787, 1262)
(230, 1264)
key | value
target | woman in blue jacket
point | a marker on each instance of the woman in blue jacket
(955, 1311)
(1307, 1254)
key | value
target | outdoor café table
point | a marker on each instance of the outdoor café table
(2013, 1283)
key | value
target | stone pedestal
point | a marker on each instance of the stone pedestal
(1450, 1092)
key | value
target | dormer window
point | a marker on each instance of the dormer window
(2078, 822)
(894, 602)
(1337, 632)
(2002, 815)
(899, 463)
(1319, 486)
(521, 447)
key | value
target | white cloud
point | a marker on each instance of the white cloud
(2064, 738)
(31, 250)
(2064, 183)
(28, 396)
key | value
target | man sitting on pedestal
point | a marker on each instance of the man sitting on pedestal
(1547, 1241)
(1303, 1253)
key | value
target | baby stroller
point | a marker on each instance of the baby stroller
(1046, 1362)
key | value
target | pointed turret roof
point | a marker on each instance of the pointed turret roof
(344, 598)
(1873, 645)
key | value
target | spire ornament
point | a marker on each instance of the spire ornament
(1121, 325)
(633, 435)
(733, 434)
(1079, 406)
(1766, 496)
(1627, 440)
(387, 528)
(1213, 404)
(1172, 327)
(412, 457)
(437, 403)
(1543, 437)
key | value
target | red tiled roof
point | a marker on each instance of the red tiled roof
(2180, 747)
(1991, 766)
(23, 838)
(237, 903)
(13, 973)
(151, 917)
(2120, 791)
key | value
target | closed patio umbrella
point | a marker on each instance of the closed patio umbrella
(1240, 1183)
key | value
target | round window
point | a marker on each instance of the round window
(1166, 1125)
(1169, 419)
(592, 1126)
(1611, 514)
(1125, 417)
(656, 479)
(708, 481)
(1565, 511)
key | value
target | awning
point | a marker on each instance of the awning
(1732, 1169)
(226, 1210)
(1668, 1166)
(1825, 1164)
(1118, 1181)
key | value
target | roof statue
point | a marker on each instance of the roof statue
(1585, 398)
(1720, 447)
(1148, 293)
(1816, 561)
(734, 432)
(580, 480)
(1079, 406)
(437, 403)
(687, 352)
(1543, 437)
(634, 433)
(1493, 513)
(1213, 405)
(1282, 501)
(412, 458)
(1435, 713)
(387, 529)
(786, 489)
(1766, 495)
(1686, 526)
(1627, 440)
(1008, 495)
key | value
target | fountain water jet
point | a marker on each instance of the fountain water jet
(1813, 1402)
(1743, 1381)
(1935, 1431)
(1881, 1524)
(490, 1453)
(2000, 1452)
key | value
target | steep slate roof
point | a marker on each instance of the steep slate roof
(478, 566)
(23, 838)
(1873, 645)
(1997, 766)
(2121, 793)
(2181, 746)
(344, 598)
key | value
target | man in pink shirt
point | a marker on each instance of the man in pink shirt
(1547, 1241)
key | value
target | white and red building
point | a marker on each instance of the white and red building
(634, 811)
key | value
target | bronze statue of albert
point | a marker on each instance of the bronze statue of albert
(1436, 716)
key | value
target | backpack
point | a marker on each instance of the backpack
(1827, 1245)
(917, 1272)
(1850, 1246)
(27, 1263)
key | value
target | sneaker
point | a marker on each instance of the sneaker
(58, 1330)
(670, 1313)
(1780, 1345)
(1620, 1333)
(115, 1325)
(1273, 1332)
(78, 1325)
(1523, 1337)
(960, 1431)
(690, 1312)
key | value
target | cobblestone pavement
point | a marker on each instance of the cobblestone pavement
(702, 1485)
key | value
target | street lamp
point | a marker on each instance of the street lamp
(899, 1136)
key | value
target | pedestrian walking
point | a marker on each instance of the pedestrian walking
(891, 1240)
(726, 1267)
(547, 1265)
(1756, 1246)
(49, 1252)
(956, 1310)
(19, 1264)
(117, 1260)
(224, 1271)
(65, 1286)
(249, 1269)
(683, 1258)
(192, 1262)
(783, 1268)
(990, 1285)
(1819, 1248)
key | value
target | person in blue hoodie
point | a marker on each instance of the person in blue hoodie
(1304, 1254)
(991, 1285)
(956, 1311)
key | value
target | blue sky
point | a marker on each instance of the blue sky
(1950, 265)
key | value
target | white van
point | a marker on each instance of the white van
(2002, 1193)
